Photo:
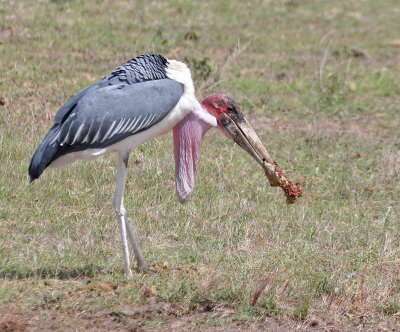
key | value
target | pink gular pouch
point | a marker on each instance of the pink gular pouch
(187, 142)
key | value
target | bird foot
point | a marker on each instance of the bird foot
(145, 269)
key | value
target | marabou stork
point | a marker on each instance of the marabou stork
(143, 98)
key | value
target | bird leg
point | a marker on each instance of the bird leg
(124, 226)
(136, 249)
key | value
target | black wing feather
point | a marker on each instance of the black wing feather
(146, 67)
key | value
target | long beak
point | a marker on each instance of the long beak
(244, 135)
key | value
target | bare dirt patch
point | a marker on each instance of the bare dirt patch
(154, 315)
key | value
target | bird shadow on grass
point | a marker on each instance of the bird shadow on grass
(87, 271)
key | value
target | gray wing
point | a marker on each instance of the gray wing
(106, 115)
(132, 98)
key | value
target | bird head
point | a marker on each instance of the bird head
(232, 122)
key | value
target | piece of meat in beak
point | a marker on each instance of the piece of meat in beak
(234, 125)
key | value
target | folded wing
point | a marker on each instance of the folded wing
(104, 116)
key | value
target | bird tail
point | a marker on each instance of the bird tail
(44, 154)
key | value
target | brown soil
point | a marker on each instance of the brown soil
(154, 315)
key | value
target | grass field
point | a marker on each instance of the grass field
(319, 81)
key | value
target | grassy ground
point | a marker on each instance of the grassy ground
(319, 81)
